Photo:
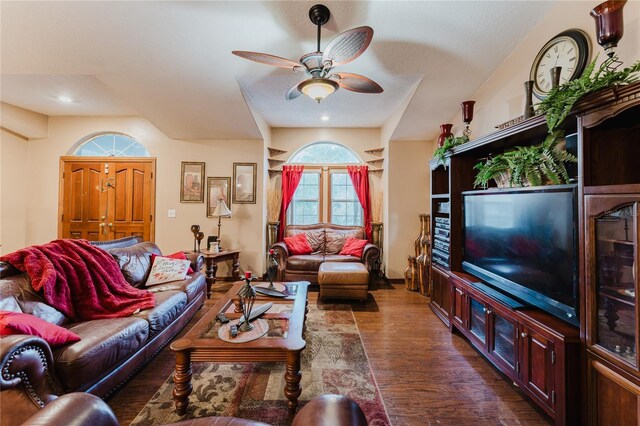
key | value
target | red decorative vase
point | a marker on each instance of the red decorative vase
(445, 130)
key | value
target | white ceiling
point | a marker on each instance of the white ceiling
(171, 62)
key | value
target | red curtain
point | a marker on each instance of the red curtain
(291, 176)
(360, 178)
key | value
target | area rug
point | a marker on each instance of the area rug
(334, 361)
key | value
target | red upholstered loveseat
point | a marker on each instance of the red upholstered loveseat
(110, 350)
(326, 242)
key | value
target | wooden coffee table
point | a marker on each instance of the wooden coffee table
(283, 342)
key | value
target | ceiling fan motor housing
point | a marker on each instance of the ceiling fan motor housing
(319, 14)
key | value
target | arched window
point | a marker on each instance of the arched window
(111, 145)
(324, 153)
(325, 192)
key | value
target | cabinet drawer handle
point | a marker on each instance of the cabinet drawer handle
(489, 312)
(484, 309)
(523, 334)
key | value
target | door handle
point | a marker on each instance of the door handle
(110, 225)
(523, 334)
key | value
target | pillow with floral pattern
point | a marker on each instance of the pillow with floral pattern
(165, 270)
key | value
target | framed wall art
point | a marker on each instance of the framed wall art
(244, 183)
(217, 187)
(192, 182)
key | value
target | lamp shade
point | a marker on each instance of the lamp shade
(318, 88)
(222, 210)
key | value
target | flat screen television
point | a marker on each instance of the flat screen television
(524, 242)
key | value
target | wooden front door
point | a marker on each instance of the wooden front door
(104, 198)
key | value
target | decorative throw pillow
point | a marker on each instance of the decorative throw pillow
(19, 323)
(298, 244)
(177, 255)
(353, 247)
(165, 270)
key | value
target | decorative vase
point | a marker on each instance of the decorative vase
(376, 234)
(445, 132)
(425, 260)
(528, 99)
(409, 274)
(423, 244)
(416, 241)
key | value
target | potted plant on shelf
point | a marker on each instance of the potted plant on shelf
(558, 105)
(449, 143)
(535, 165)
(545, 164)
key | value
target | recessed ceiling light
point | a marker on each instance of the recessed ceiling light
(65, 99)
(324, 118)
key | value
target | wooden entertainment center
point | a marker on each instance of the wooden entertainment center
(578, 375)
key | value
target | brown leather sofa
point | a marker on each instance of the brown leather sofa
(326, 241)
(110, 350)
(81, 409)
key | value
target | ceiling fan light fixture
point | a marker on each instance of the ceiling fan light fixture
(318, 88)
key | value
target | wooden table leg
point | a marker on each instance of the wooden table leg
(182, 381)
(292, 377)
(210, 275)
(235, 272)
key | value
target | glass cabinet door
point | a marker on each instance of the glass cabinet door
(477, 319)
(615, 260)
(504, 340)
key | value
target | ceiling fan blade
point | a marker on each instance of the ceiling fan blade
(293, 92)
(265, 58)
(348, 46)
(357, 83)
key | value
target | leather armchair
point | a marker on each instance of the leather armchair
(82, 409)
(27, 382)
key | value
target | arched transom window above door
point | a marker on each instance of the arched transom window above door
(110, 145)
(325, 192)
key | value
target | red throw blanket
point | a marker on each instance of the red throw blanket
(80, 280)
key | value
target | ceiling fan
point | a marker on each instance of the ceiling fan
(318, 66)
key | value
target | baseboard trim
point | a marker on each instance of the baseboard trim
(396, 280)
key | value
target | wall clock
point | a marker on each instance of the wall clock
(569, 50)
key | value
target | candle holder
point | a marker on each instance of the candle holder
(555, 76)
(467, 116)
(528, 100)
(246, 296)
(272, 268)
(195, 229)
(199, 236)
(609, 28)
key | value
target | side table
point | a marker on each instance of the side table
(212, 259)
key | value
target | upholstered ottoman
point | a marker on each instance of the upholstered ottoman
(343, 280)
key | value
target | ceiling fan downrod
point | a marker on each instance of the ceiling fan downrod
(319, 14)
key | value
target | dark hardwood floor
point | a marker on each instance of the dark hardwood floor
(426, 375)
